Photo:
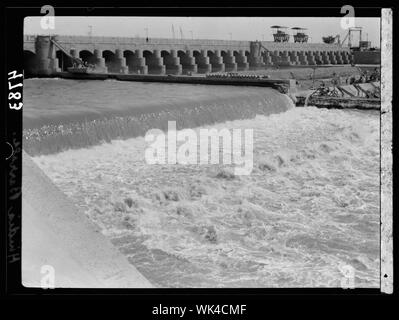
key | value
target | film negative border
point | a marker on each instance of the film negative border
(386, 153)
(386, 240)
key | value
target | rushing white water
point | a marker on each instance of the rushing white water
(310, 206)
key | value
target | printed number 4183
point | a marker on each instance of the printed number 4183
(14, 93)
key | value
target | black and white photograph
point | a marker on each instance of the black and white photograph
(203, 151)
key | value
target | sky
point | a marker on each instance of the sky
(222, 28)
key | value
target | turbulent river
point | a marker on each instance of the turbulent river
(308, 210)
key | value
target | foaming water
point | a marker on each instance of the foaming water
(65, 114)
(310, 206)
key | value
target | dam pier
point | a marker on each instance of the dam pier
(159, 56)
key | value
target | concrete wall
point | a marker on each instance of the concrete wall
(367, 57)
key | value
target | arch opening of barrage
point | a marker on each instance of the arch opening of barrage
(210, 53)
(108, 55)
(111, 61)
(29, 63)
(167, 58)
(130, 57)
(224, 55)
(87, 56)
(64, 61)
(197, 56)
(181, 54)
(147, 54)
(128, 54)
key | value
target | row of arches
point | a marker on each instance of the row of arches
(307, 57)
(86, 55)
(110, 57)
(163, 52)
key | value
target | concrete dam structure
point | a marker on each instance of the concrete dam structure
(173, 56)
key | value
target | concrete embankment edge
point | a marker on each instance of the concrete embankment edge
(55, 233)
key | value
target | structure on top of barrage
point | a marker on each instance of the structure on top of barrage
(279, 34)
(172, 56)
(300, 35)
